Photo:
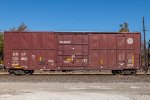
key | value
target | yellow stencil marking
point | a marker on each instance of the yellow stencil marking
(40, 58)
(18, 67)
(101, 61)
(133, 58)
(69, 59)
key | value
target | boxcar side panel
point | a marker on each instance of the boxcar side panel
(42, 53)
(7, 49)
(112, 41)
(130, 41)
(104, 59)
(130, 59)
(103, 41)
(29, 50)
(121, 60)
(72, 50)
(94, 41)
(112, 59)
(121, 41)
(94, 59)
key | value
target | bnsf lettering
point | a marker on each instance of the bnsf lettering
(65, 42)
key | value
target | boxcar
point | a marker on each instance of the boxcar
(67, 51)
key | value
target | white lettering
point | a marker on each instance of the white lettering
(24, 58)
(51, 61)
(64, 42)
(23, 54)
(15, 58)
(15, 54)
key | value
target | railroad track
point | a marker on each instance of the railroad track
(76, 78)
(64, 73)
(107, 72)
(76, 74)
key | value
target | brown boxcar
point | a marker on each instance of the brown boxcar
(28, 51)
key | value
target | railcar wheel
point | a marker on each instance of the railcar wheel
(18, 72)
(113, 72)
(29, 72)
(133, 72)
(129, 72)
(116, 72)
(11, 72)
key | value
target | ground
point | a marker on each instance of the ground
(75, 87)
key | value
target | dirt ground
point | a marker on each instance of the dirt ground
(75, 87)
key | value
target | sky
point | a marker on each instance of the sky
(75, 15)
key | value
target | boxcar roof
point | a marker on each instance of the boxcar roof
(72, 32)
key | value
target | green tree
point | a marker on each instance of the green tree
(22, 27)
(1, 40)
(1, 46)
(124, 27)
